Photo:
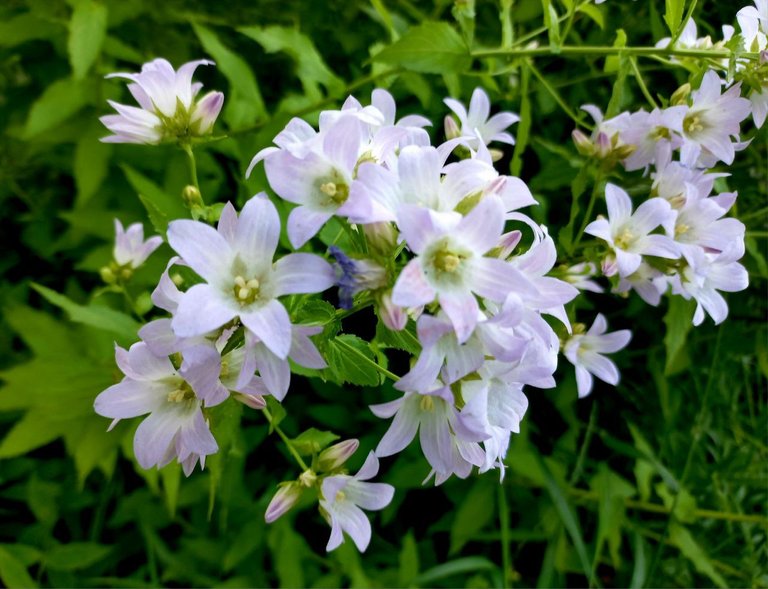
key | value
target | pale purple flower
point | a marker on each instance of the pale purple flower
(706, 274)
(679, 184)
(648, 282)
(175, 427)
(130, 248)
(286, 496)
(580, 275)
(585, 351)
(343, 499)
(443, 432)
(333, 457)
(605, 140)
(628, 233)
(711, 121)
(700, 224)
(477, 125)
(450, 265)
(654, 135)
(753, 22)
(241, 280)
(168, 105)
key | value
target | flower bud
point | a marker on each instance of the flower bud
(680, 96)
(381, 237)
(451, 127)
(507, 243)
(252, 401)
(609, 266)
(107, 275)
(191, 196)
(393, 317)
(205, 113)
(583, 143)
(496, 154)
(334, 456)
(283, 500)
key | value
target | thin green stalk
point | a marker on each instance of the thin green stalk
(505, 539)
(286, 440)
(576, 474)
(599, 51)
(192, 164)
(505, 15)
(563, 105)
(641, 83)
(590, 208)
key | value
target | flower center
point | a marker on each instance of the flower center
(624, 239)
(426, 403)
(181, 394)
(334, 189)
(692, 124)
(246, 292)
(340, 496)
(682, 229)
(660, 133)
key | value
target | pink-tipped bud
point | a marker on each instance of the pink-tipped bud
(603, 144)
(206, 111)
(286, 497)
(583, 143)
(451, 127)
(507, 243)
(394, 317)
(334, 456)
(609, 265)
(252, 401)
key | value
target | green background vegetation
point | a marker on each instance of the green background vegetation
(659, 482)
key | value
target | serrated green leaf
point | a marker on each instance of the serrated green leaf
(678, 322)
(313, 441)
(58, 102)
(612, 61)
(102, 318)
(45, 336)
(474, 512)
(404, 339)
(13, 573)
(244, 104)
(430, 48)
(75, 555)
(683, 503)
(87, 30)
(350, 360)
(679, 536)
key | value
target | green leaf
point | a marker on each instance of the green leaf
(30, 432)
(526, 119)
(59, 101)
(351, 360)
(404, 339)
(430, 48)
(678, 322)
(288, 550)
(348, 557)
(612, 61)
(102, 318)
(91, 165)
(460, 566)
(161, 206)
(408, 561)
(679, 536)
(87, 30)
(44, 335)
(592, 12)
(475, 511)
(13, 573)
(310, 67)
(552, 23)
(27, 27)
(613, 491)
(171, 477)
(640, 569)
(673, 15)
(683, 503)
(75, 555)
(244, 104)
(313, 441)
(568, 517)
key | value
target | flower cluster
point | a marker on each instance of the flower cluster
(679, 239)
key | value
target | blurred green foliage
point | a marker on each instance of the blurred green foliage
(661, 482)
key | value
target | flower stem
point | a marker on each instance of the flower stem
(505, 540)
(641, 83)
(563, 105)
(286, 440)
(187, 147)
(599, 51)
